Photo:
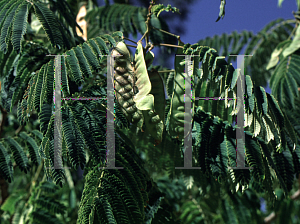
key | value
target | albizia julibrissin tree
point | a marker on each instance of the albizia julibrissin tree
(149, 117)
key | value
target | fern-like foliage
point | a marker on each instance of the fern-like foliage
(118, 196)
(41, 206)
(285, 80)
(157, 9)
(39, 96)
(75, 67)
(215, 147)
(224, 155)
(259, 46)
(18, 150)
(285, 84)
(122, 196)
(126, 18)
(129, 195)
(17, 69)
(217, 78)
(13, 23)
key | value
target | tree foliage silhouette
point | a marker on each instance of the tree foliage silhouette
(149, 119)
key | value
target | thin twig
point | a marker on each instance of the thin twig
(129, 40)
(19, 129)
(146, 34)
(168, 45)
(270, 217)
(296, 195)
(131, 45)
(33, 182)
(171, 34)
(292, 33)
(37, 173)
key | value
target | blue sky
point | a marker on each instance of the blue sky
(239, 15)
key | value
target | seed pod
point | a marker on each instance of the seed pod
(124, 79)
(150, 97)
(176, 116)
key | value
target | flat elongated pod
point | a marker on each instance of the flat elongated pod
(158, 92)
(124, 74)
(154, 119)
(176, 114)
(145, 98)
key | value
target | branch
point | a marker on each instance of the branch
(296, 195)
(129, 45)
(129, 40)
(270, 217)
(171, 34)
(146, 34)
(168, 45)
(19, 129)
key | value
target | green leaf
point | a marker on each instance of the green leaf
(157, 9)
(294, 46)
(234, 78)
(249, 85)
(274, 58)
(265, 102)
(6, 28)
(285, 81)
(33, 148)
(6, 167)
(10, 202)
(290, 130)
(279, 3)
(19, 26)
(19, 154)
(50, 24)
